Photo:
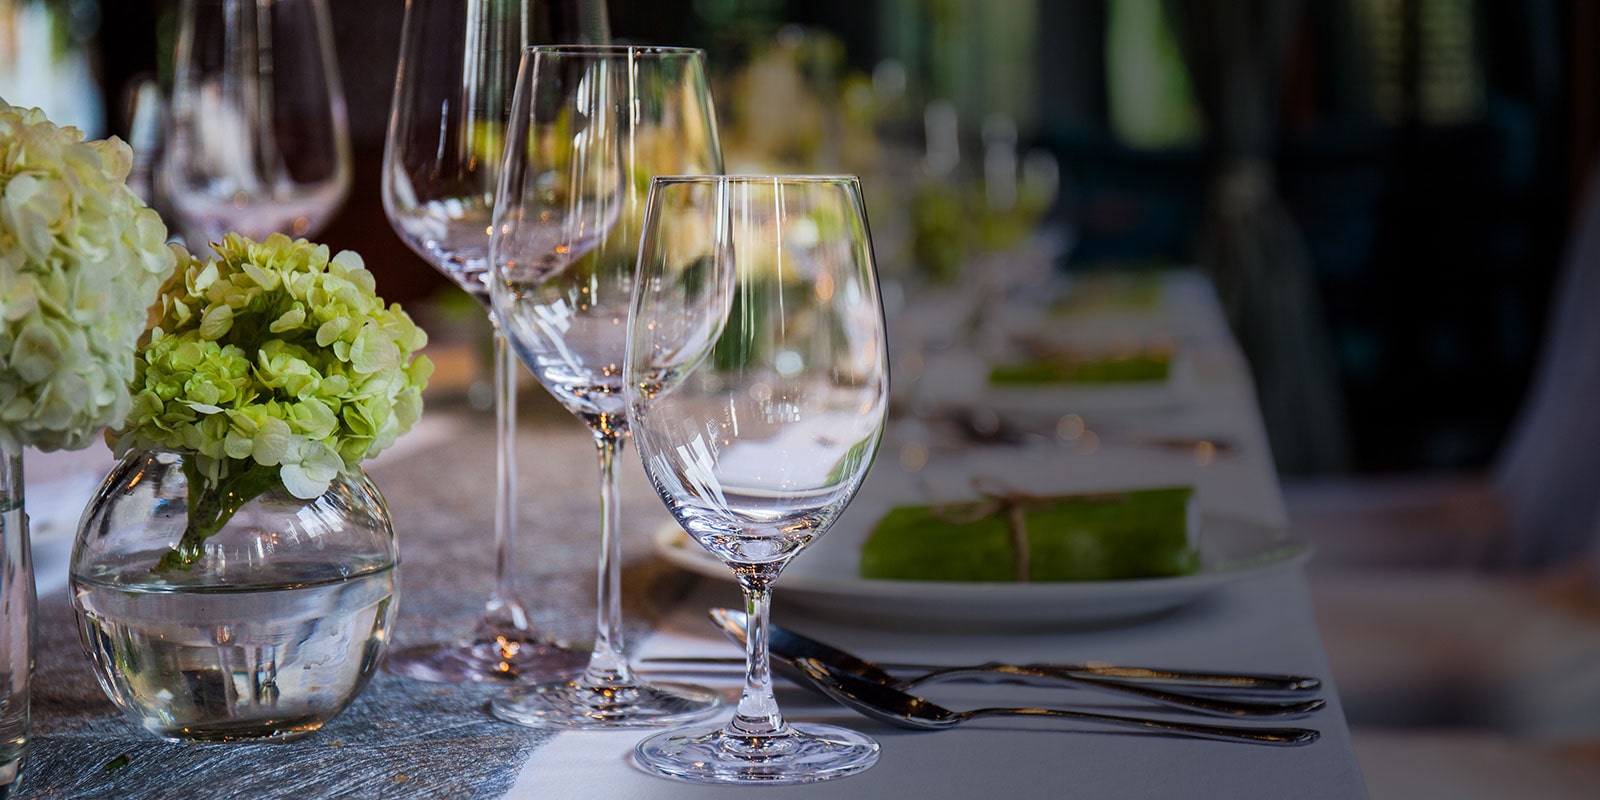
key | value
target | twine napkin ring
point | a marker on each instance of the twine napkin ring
(1000, 500)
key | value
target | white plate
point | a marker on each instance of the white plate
(822, 579)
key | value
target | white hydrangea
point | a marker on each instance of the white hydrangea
(81, 258)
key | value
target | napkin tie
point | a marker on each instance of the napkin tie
(1011, 503)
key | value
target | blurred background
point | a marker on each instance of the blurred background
(1387, 194)
(1425, 159)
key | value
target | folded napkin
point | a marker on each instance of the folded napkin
(1008, 537)
(1121, 359)
(1066, 367)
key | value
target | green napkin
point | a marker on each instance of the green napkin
(1134, 534)
(1066, 368)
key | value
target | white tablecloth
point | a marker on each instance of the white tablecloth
(1262, 625)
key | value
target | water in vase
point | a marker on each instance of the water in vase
(238, 663)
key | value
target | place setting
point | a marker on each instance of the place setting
(986, 552)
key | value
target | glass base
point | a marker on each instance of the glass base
(488, 660)
(643, 705)
(809, 753)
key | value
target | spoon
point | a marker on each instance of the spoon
(894, 707)
(788, 647)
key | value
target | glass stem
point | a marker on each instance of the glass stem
(758, 714)
(505, 612)
(608, 664)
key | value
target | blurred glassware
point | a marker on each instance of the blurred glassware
(441, 165)
(147, 111)
(999, 163)
(45, 60)
(796, 106)
(258, 141)
(940, 236)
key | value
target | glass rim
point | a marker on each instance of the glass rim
(758, 178)
(614, 50)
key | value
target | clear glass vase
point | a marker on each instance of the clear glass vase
(17, 621)
(262, 631)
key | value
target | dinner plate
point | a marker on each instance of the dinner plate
(822, 579)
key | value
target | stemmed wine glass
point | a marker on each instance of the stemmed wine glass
(757, 390)
(589, 127)
(259, 142)
(441, 165)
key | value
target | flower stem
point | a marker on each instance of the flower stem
(212, 505)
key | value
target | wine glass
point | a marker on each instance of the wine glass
(259, 142)
(589, 127)
(757, 390)
(441, 163)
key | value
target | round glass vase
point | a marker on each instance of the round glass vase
(265, 631)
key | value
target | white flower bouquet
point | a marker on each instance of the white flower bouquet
(80, 260)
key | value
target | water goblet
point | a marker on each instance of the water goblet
(447, 126)
(757, 390)
(589, 127)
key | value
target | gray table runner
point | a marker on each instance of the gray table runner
(400, 738)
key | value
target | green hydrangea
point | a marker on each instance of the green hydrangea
(272, 363)
(80, 259)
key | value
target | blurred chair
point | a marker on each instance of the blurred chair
(1548, 478)
(1460, 613)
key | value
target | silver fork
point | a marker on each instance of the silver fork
(787, 647)
(901, 709)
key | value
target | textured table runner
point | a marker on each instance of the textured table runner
(401, 738)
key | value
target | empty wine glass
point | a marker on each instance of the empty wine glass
(589, 127)
(757, 391)
(258, 142)
(441, 164)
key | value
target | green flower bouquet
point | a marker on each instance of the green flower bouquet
(80, 259)
(275, 365)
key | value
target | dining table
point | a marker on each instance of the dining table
(403, 738)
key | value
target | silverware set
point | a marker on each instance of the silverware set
(894, 707)
(882, 691)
